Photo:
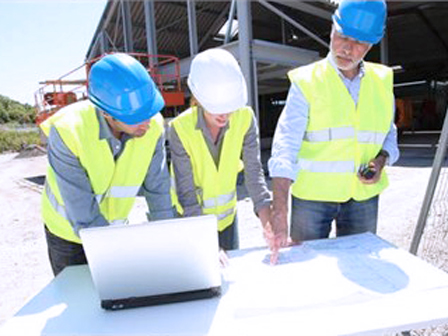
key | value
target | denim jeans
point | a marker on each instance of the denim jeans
(228, 238)
(63, 253)
(312, 219)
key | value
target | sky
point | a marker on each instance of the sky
(42, 40)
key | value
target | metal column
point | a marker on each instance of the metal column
(245, 50)
(283, 31)
(127, 26)
(100, 44)
(150, 25)
(384, 49)
(230, 22)
(104, 43)
(192, 30)
(256, 105)
(101, 29)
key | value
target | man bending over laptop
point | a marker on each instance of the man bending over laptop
(101, 152)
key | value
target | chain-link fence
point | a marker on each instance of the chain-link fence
(430, 241)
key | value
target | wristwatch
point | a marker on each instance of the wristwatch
(385, 154)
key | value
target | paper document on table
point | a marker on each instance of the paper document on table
(316, 275)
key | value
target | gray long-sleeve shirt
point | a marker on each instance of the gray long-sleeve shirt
(74, 185)
(253, 171)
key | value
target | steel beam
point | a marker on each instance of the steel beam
(126, 20)
(384, 49)
(306, 8)
(150, 26)
(263, 52)
(230, 22)
(104, 42)
(104, 22)
(212, 29)
(245, 47)
(269, 52)
(255, 104)
(293, 22)
(192, 30)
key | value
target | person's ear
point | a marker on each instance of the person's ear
(107, 116)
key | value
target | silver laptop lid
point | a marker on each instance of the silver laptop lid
(153, 258)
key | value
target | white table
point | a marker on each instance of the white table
(357, 285)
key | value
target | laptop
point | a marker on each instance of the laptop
(155, 262)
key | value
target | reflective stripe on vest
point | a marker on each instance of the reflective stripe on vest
(218, 201)
(371, 137)
(336, 133)
(340, 133)
(119, 192)
(60, 209)
(119, 222)
(225, 214)
(327, 166)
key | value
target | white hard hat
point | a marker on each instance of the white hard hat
(217, 82)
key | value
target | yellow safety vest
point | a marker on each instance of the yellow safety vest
(115, 183)
(341, 136)
(215, 186)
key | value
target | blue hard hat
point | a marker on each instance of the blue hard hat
(362, 20)
(120, 86)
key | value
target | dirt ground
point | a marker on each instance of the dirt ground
(24, 267)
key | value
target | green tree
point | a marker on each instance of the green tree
(12, 111)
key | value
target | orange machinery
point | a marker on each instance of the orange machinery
(55, 94)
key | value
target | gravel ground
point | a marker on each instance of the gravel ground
(24, 267)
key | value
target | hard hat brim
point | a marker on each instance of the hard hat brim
(132, 117)
(355, 34)
(217, 107)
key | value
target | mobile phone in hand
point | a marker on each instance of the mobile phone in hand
(367, 172)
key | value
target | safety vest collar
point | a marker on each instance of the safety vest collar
(201, 124)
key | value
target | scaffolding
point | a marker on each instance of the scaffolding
(53, 95)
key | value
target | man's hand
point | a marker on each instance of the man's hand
(279, 234)
(377, 166)
(265, 218)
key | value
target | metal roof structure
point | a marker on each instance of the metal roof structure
(275, 36)
(172, 29)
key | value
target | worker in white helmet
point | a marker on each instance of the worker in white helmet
(208, 141)
(335, 134)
